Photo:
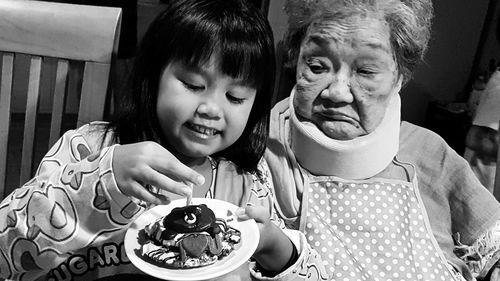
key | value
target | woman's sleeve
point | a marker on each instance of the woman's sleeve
(309, 265)
(483, 255)
(475, 216)
(71, 203)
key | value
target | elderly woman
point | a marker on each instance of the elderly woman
(378, 199)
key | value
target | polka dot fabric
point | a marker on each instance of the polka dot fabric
(372, 231)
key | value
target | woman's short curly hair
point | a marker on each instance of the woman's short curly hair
(409, 22)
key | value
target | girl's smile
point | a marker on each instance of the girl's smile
(203, 132)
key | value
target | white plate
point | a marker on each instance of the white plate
(243, 250)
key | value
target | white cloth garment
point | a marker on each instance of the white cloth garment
(360, 158)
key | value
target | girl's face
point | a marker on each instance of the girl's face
(346, 75)
(201, 111)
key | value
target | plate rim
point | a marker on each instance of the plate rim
(143, 265)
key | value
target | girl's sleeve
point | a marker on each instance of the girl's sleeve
(309, 265)
(72, 202)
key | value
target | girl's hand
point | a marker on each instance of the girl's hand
(275, 248)
(136, 165)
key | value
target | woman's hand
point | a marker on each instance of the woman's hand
(275, 248)
(136, 165)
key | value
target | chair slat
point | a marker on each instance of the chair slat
(5, 98)
(93, 97)
(30, 119)
(58, 101)
(496, 186)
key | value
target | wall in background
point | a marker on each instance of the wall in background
(146, 12)
(444, 75)
(489, 50)
(277, 19)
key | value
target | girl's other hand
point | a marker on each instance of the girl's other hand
(275, 248)
(139, 164)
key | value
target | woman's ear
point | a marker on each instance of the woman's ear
(398, 84)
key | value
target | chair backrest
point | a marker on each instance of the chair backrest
(496, 188)
(495, 272)
(71, 48)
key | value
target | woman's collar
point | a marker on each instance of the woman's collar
(360, 158)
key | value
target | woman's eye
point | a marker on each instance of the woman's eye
(235, 100)
(366, 72)
(316, 66)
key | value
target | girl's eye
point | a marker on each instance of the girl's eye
(193, 87)
(235, 100)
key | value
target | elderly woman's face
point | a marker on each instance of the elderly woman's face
(346, 75)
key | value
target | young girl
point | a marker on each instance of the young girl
(196, 113)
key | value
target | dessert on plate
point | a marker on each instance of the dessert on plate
(188, 237)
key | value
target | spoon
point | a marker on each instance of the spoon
(190, 196)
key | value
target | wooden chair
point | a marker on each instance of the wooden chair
(496, 189)
(68, 53)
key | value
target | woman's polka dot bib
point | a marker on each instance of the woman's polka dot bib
(372, 231)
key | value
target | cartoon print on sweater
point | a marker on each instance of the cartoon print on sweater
(4, 266)
(73, 173)
(79, 147)
(119, 216)
(56, 148)
(312, 271)
(79, 150)
(130, 210)
(260, 192)
(19, 198)
(28, 258)
(10, 215)
(101, 201)
(46, 166)
(51, 213)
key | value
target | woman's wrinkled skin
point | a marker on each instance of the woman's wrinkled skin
(346, 76)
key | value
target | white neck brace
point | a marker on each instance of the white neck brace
(359, 158)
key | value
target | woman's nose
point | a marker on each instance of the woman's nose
(209, 108)
(339, 90)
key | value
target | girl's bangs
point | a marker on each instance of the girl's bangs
(194, 47)
(239, 57)
(243, 59)
(241, 54)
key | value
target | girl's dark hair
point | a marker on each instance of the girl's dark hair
(191, 31)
